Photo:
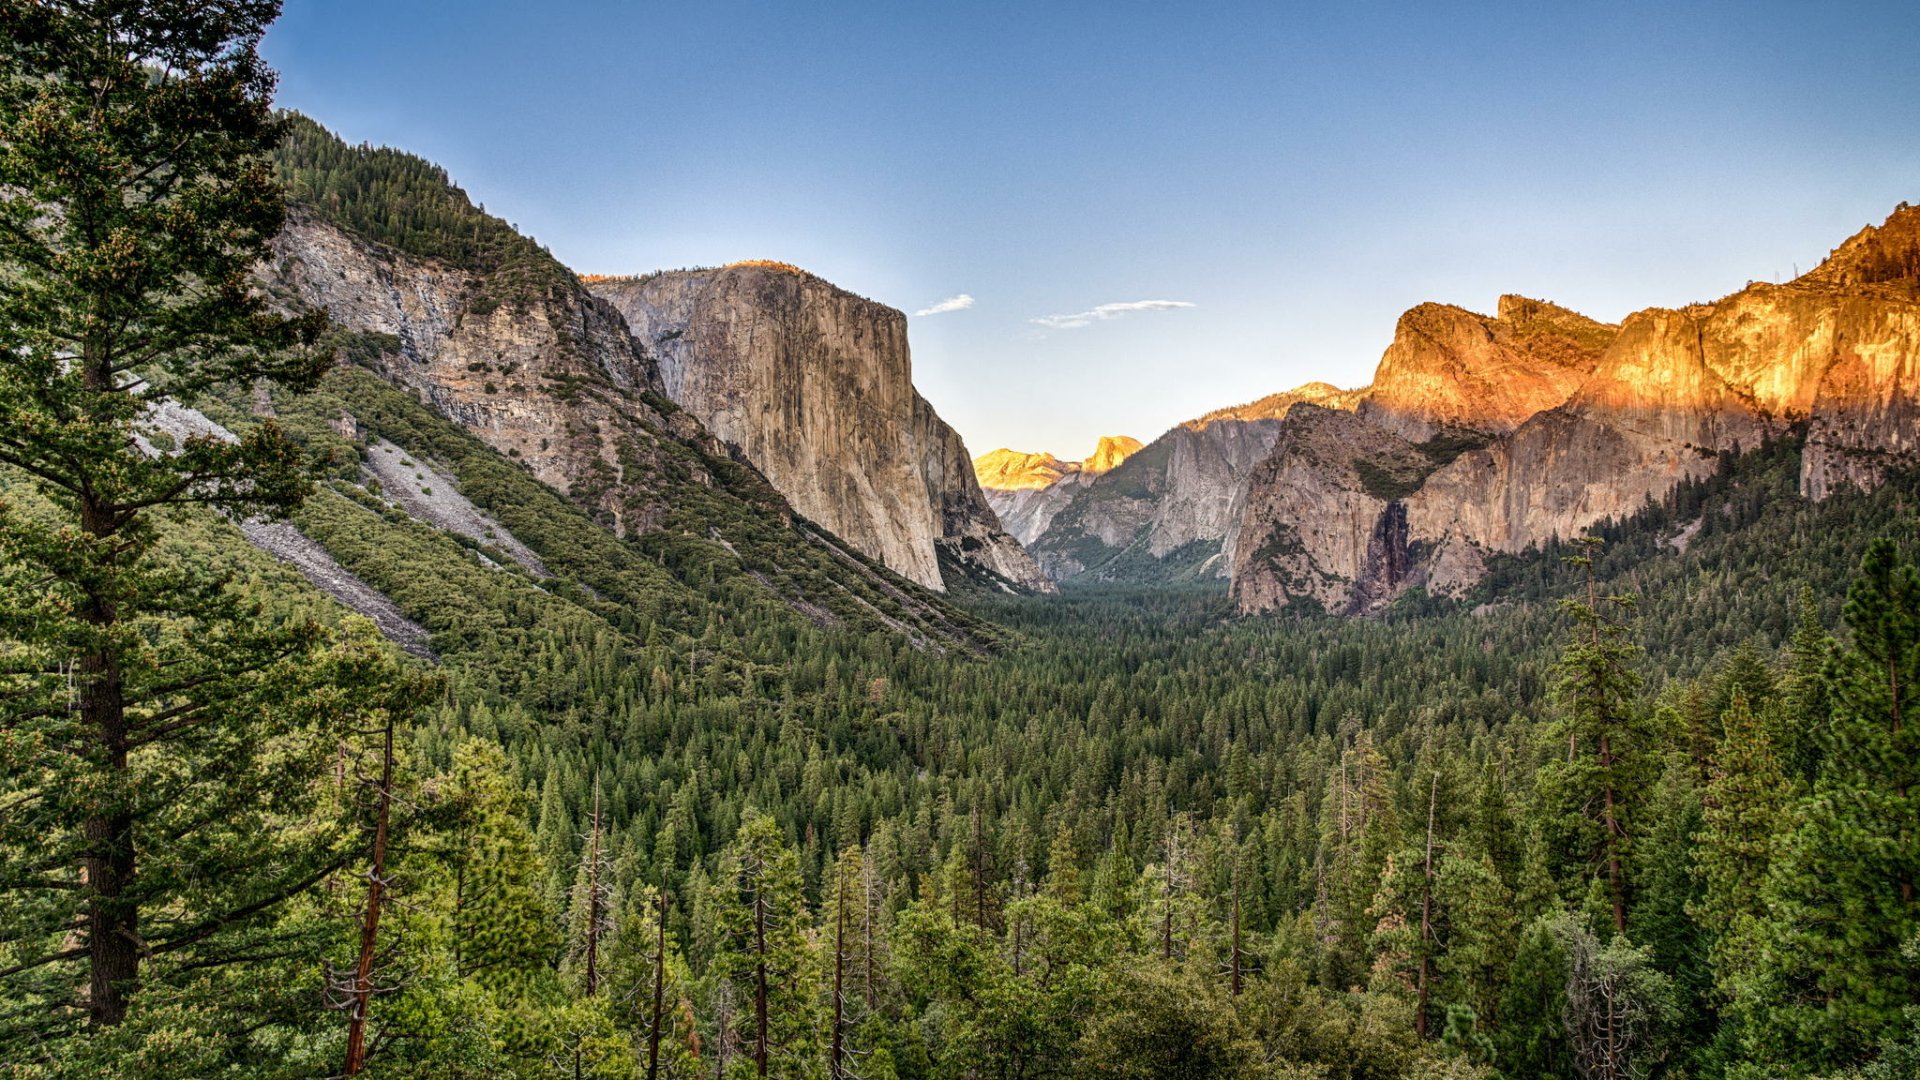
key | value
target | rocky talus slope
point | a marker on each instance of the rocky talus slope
(813, 385)
(1538, 423)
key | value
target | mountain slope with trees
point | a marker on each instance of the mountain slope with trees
(1631, 806)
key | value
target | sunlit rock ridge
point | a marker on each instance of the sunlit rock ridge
(1493, 434)
(1027, 489)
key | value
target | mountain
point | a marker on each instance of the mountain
(1027, 490)
(457, 312)
(1493, 435)
(813, 386)
(1166, 512)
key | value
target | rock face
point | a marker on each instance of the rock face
(550, 377)
(1169, 509)
(1027, 490)
(813, 386)
(1538, 423)
(557, 382)
(1449, 368)
(1109, 453)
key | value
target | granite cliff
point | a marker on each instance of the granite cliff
(1494, 435)
(482, 326)
(1166, 512)
(1027, 490)
(813, 385)
(555, 382)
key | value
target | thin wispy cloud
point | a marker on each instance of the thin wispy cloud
(1104, 313)
(952, 303)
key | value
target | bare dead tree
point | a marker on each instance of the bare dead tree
(1613, 1015)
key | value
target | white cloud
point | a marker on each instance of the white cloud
(1104, 312)
(951, 303)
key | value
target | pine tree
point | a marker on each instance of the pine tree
(1610, 755)
(765, 952)
(1801, 731)
(591, 910)
(1744, 815)
(1619, 1009)
(135, 200)
(502, 931)
(1840, 888)
(648, 987)
(844, 910)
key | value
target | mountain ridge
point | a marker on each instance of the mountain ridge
(1668, 393)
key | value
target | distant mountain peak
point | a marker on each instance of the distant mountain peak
(1110, 452)
(1018, 470)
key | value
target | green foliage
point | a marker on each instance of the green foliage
(1611, 749)
(163, 734)
(407, 203)
(1126, 835)
(1839, 891)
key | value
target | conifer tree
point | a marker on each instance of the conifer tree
(501, 930)
(649, 987)
(764, 951)
(591, 912)
(844, 908)
(1745, 803)
(1840, 891)
(1800, 730)
(135, 199)
(1610, 753)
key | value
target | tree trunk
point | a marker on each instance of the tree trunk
(1893, 699)
(593, 899)
(370, 924)
(1426, 916)
(1616, 883)
(659, 987)
(113, 940)
(866, 930)
(108, 865)
(837, 1046)
(760, 983)
(1235, 980)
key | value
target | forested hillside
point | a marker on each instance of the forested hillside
(717, 798)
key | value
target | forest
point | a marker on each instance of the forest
(1638, 807)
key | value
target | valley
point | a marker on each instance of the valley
(419, 659)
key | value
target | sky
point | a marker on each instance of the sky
(1107, 218)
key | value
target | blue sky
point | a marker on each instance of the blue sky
(1284, 179)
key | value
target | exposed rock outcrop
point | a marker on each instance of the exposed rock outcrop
(813, 385)
(1109, 453)
(1027, 490)
(1836, 352)
(556, 382)
(165, 429)
(549, 376)
(1169, 510)
(1451, 369)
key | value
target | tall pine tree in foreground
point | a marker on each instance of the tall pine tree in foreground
(153, 724)
(1609, 752)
